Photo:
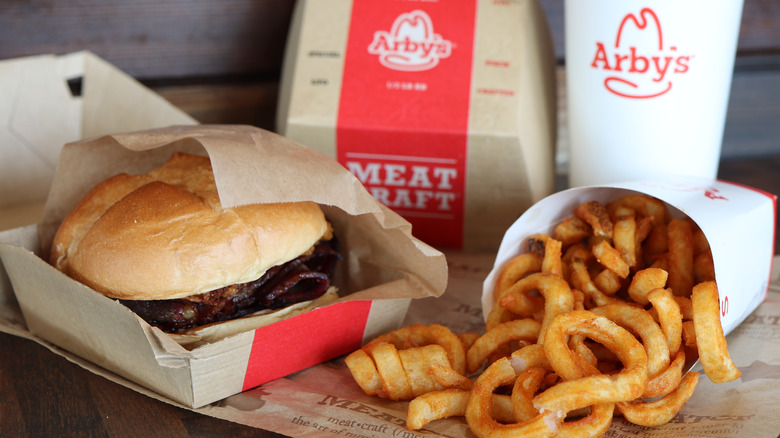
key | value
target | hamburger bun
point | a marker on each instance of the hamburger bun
(164, 235)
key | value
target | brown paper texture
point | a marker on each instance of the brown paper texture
(511, 140)
(381, 260)
(40, 113)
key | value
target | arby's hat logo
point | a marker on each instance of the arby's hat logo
(640, 64)
(411, 44)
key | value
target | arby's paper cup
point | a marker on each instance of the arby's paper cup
(738, 222)
(647, 87)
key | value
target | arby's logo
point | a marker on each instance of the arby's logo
(709, 192)
(640, 63)
(411, 44)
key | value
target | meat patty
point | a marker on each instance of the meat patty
(304, 278)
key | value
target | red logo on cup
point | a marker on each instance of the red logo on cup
(640, 66)
(411, 44)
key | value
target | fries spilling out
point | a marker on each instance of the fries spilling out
(596, 319)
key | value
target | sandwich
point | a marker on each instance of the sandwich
(162, 244)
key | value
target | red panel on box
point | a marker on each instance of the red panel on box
(404, 109)
(306, 340)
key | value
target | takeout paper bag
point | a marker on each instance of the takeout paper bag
(738, 222)
(384, 266)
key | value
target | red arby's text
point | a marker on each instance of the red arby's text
(640, 71)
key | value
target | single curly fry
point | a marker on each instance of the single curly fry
(577, 392)
(594, 425)
(689, 334)
(703, 267)
(551, 264)
(669, 316)
(525, 387)
(516, 268)
(418, 335)
(383, 370)
(449, 378)
(516, 330)
(479, 410)
(645, 281)
(418, 362)
(580, 280)
(436, 405)
(595, 214)
(661, 411)
(517, 301)
(680, 258)
(519, 304)
(611, 258)
(571, 230)
(550, 250)
(639, 321)
(529, 356)
(557, 295)
(665, 382)
(500, 315)
(607, 282)
(451, 403)
(364, 371)
(395, 383)
(710, 341)
(625, 240)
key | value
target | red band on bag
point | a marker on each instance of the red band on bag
(404, 110)
(305, 340)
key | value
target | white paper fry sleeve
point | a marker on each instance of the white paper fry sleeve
(738, 222)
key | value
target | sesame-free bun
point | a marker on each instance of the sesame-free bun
(165, 235)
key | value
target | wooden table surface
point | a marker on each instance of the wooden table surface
(44, 395)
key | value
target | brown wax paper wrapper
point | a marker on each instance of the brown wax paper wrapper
(252, 165)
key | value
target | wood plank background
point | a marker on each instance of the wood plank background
(220, 60)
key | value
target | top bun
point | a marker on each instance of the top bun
(165, 235)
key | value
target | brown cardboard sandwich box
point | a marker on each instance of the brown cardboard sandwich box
(382, 268)
(445, 111)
